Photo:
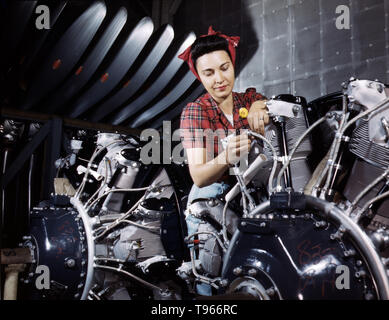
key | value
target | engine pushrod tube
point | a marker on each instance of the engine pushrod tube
(298, 142)
(145, 283)
(344, 126)
(368, 187)
(273, 171)
(287, 176)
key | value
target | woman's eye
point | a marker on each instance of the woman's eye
(224, 68)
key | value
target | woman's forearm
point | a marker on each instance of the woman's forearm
(210, 172)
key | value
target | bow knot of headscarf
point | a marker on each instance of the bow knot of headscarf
(232, 44)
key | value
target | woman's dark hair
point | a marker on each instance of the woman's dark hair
(204, 45)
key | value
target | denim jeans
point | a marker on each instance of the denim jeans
(192, 222)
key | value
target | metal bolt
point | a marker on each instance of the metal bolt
(270, 291)
(360, 274)
(333, 236)
(320, 224)
(349, 253)
(237, 271)
(369, 296)
(70, 263)
(243, 223)
(252, 272)
(296, 109)
(359, 263)
(342, 229)
(223, 283)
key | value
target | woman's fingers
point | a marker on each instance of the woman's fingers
(256, 123)
(250, 120)
(266, 117)
(258, 120)
(261, 129)
(237, 147)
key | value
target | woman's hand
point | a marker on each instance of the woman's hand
(258, 117)
(237, 148)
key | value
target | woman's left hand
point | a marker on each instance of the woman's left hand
(258, 117)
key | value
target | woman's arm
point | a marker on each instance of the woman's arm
(258, 117)
(205, 173)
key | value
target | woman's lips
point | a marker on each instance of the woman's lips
(222, 88)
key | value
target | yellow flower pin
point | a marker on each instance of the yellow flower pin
(243, 113)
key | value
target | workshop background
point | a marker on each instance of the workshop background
(287, 46)
(293, 46)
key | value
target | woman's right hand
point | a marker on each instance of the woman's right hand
(237, 148)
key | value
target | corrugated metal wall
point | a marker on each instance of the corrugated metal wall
(293, 46)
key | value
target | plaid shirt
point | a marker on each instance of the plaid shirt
(203, 123)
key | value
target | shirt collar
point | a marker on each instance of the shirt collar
(217, 112)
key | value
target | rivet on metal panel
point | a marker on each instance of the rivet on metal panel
(104, 77)
(56, 64)
(78, 71)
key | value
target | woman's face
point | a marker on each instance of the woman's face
(217, 74)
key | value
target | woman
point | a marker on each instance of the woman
(212, 58)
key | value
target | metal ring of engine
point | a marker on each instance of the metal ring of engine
(251, 284)
(91, 245)
(329, 210)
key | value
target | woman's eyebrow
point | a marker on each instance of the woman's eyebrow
(211, 69)
(207, 70)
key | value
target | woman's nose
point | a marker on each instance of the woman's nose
(218, 77)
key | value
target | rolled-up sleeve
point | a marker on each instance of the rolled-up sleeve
(193, 123)
(251, 95)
